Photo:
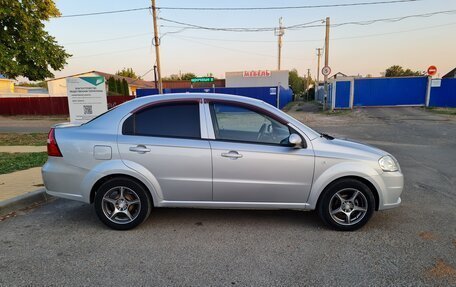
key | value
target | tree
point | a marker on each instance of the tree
(398, 71)
(183, 77)
(127, 72)
(112, 85)
(119, 87)
(172, 77)
(41, 84)
(296, 83)
(125, 90)
(187, 76)
(26, 49)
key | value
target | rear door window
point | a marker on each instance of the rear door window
(179, 120)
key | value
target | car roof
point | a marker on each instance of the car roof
(122, 110)
(202, 96)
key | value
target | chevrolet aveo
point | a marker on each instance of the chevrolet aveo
(215, 151)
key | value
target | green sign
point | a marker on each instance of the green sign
(202, 80)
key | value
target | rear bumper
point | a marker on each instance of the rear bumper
(63, 180)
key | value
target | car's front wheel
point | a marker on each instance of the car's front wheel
(346, 204)
(122, 203)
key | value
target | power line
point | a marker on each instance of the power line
(316, 40)
(234, 50)
(110, 53)
(285, 7)
(253, 41)
(238, 8)
(108, 39)
(104, 12)
(303, 25)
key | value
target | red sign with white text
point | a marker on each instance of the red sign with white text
(432, 70)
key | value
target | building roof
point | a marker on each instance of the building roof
(450, 74)
(132, 82)
(338, 74)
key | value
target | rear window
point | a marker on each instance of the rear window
(180, 120)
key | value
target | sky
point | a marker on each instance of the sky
(110, 42)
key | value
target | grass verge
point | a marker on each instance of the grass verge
(336, 112)
(443, 111)
(10, 162)
(33, 139)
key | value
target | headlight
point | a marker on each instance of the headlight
(387, 163)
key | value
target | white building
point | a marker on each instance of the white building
(57, 87)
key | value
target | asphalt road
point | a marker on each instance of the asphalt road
(28, 124)
(63, 243)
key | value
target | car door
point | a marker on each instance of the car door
(252, 159)
(165, 138)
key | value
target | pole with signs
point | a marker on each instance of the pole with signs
(328, 25)
(86, 98)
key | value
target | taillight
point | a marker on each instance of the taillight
(52, 147)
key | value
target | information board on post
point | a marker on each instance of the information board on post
(86, 98)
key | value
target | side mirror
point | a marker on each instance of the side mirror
(295, 140)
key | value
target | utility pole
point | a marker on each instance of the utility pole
(318, 71)
(157, 48)
(307, 84)
(326, 58)
(318, 63)
(279, 32)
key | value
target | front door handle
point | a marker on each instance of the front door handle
(232, 154)
(139, 149)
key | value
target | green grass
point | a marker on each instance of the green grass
(443, 111)
(33, 139)
(336, 112)
(10, 162)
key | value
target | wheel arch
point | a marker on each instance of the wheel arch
(362, 172)
(104, 179)
(358, 178)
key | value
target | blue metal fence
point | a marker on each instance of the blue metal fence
(444, 95)
(390, 91)
(342, 95)
(267, 94)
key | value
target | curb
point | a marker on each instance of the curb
(24, 200)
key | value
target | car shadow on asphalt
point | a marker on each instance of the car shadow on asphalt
(67, 212)
(70, 212)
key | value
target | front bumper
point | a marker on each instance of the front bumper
(390, 187)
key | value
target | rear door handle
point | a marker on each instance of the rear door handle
(139, 149)
(232, 154)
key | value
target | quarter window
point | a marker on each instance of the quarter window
(180, 120)
(236, 123)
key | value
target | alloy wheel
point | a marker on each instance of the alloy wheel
(121, 205)
(348, 206)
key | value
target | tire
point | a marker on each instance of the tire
(122, 203)
(346, 205)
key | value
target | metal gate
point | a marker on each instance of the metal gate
(404, 91)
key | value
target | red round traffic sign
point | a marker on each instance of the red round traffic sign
(432, 70)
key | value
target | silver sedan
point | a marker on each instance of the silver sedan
(215, 151)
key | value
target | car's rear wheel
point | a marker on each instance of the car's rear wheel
(122, 203)
(346, 205)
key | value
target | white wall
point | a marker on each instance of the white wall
(237, 79)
